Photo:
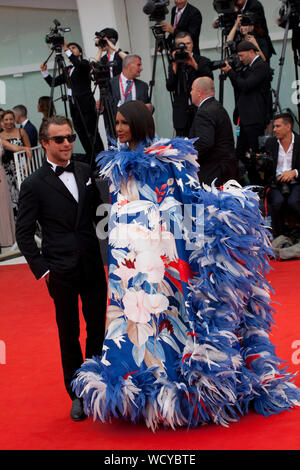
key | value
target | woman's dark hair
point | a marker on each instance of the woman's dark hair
(140, 120)
(44, 104)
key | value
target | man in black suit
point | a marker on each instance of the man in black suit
(212, 126)
(20, 112)
(184, 17)
(81, 99)
(62, 197)
(113, 55)
(127, 86)
(251, 87)
(182, 73)
(284, 183)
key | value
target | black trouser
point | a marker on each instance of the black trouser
(248, 139)
(85, 124)
(278, 205)
(190, 115)
(65, 289)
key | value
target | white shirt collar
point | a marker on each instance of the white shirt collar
(293, 139)
(182, 10)
(244, 6)
(54, 165)
(205, 99)
(256, 57)
(124, 79)
(24, 123)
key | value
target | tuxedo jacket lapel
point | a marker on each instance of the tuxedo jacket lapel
(81, 191)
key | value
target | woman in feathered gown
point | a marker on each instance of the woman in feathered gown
(189, 314)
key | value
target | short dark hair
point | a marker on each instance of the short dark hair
(45, 103)
(110, 33)
(183, 34)
(140, 120)
(75, 44)
(286, 117)
(21, 109)
(58, 120)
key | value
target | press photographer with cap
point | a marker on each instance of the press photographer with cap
(252, 91)
(81, 99)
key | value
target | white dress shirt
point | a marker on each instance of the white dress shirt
(110, 58)
(284, 162)
(178, 14)
(68, 179)
(122, 91)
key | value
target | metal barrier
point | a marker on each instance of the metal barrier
(25, 166)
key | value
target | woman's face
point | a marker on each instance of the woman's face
(123, 129)
(8, 121)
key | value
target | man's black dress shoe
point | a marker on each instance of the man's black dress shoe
(77, 413)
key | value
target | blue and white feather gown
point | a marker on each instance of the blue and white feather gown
(189, 315)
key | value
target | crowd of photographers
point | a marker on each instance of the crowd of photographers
(246, 55)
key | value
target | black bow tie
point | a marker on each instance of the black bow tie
(60, 169)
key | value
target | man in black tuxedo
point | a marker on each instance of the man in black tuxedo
(212, 126)
(251, 87)
(20, 112)
(181, 76)
(284, 183)
(81, 99)
(184, 17)
(62, 197)
(127, 86)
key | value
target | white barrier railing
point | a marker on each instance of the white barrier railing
(25, 166)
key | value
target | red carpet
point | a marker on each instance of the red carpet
(34, 409)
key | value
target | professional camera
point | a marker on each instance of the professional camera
(224, 7)
(181, 55)
(54, 37)
(290, 9)
(248, 19)
(156, 9)
(231, 57)
(100, 74)
(100, 41)
(226, 12)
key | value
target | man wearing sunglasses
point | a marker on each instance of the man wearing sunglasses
(63, 198)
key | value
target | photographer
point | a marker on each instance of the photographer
(253, 9)
(252, 91)
(184, 17)
(284, 190)
(81, 100)
(244, 29)
(106, 41)
(185, 68)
